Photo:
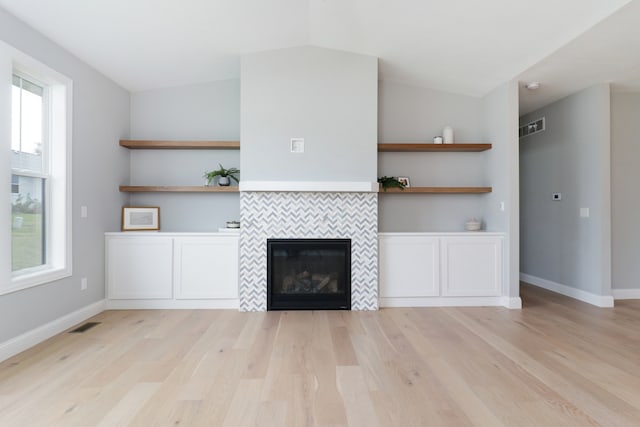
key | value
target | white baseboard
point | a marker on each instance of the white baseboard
(171, 304)
(514, 303)
(36, 336)
(626, 293)
(441, 302)
(579, 294)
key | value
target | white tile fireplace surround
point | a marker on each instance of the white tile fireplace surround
(293, 215)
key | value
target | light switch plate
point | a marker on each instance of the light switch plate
(584, 212)
(297, 145)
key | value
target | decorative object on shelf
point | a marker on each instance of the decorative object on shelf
(473, 225)
(447, 135)
(404, 180)
(223, 175)
(233, 224)
(390, 182)
(140, 218)
(229, 230)
(437, 140)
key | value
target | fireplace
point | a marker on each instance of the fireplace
(308, 274)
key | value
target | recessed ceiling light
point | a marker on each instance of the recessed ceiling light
(532, 85)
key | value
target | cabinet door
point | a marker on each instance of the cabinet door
(471, 266)
(409, 266)
(206, 267)
(139, 267)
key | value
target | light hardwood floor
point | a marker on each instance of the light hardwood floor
(557, 362)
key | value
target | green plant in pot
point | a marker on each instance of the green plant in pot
(223, 175)
(390, 182)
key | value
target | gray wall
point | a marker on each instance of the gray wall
(571, 157)
(625, 198)
(328, 97)
(100, 119)
(413, 114)
(208, 111)
(500, 124)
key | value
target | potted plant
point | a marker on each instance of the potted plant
(222, 174)
(390, 182)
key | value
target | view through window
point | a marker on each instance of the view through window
(29, 174)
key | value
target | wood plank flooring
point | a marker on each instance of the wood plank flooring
(558, 362)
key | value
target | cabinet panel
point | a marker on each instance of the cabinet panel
(471, 266)
(206, 267)
(139, 268)
(409, 266)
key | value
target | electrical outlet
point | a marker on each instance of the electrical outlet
(584, 212)
(556, 196)
(83, 212)
(83, 284)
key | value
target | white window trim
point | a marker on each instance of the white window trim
(59, 242)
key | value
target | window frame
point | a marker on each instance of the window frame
(58, 97)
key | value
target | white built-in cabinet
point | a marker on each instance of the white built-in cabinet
(172, 270)
(139, 267)
(409, 266)
(205, 267)
(200, 270)
(439, 269)
(471, 266)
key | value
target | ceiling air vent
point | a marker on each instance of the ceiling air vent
(531, 128)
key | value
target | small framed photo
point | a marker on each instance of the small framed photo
(405, 180)
(140, 218)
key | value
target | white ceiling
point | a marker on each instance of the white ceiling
(460, 46)
(607, 53)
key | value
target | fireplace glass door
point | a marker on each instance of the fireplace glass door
(308, 274)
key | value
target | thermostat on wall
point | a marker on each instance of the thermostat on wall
(297, 145)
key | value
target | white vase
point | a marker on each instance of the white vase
(447, 135)
(223, 181)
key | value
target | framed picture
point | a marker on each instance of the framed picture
(139, 218)
(405, 181)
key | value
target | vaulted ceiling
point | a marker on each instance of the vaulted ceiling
(461, 46)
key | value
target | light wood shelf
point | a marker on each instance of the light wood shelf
(180, 145)
(177, 189)
(438, 190)
(405, 147)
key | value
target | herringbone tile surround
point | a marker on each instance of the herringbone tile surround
(292, 215)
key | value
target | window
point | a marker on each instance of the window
(40, 192)
(15, 184)
(29, 166)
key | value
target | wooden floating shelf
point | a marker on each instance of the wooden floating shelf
(181, 145)
(176, 189)
(402, 147)
(439, 190)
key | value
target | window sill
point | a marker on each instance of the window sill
(36, 278)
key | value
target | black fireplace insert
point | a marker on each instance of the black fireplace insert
(308, 274)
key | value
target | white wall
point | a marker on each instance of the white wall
(208, 111)
(571, 157)
(100, 119)
(500, 125)
(413, 114)
(625, 198)
(327, 97)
